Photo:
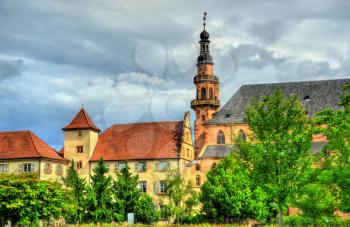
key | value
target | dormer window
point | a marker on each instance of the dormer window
(227, 116)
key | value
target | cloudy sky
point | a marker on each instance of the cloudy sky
(131, 61)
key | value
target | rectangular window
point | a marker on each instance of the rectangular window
(141, 166)
(79, 165)
(162, 187)
(198, 180)
(198, 167)
(79, 133)
(163, 166)
(59, 169)
(80, 149)
(120, 166)
(48, 168)
(28, 167)
(4, 168)
(143, 186)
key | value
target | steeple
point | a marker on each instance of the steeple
(207, 100)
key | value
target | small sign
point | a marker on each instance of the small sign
(131, 218)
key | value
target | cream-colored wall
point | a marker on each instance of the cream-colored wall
(88, 140)
(39, 165)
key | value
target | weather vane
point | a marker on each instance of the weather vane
(204, 19)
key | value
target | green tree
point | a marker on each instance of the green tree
(278, 151)
(145, 210)
(25, 199)
(75, 195)
(182, 198)
(317, 197)
(125, 189)
(335, 124)
(99, 194)
(228, 194)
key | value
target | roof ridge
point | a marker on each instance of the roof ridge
(35, 148)
(294, 82)
(147, 122)
(16, 131)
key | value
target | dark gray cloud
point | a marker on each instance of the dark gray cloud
(135, 61)
(10, 68)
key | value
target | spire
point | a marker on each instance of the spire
(204, 57)
(81, 121)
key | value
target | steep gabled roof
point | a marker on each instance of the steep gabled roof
(150, 140)
(314, 95)
(25, 144)
(81, 121)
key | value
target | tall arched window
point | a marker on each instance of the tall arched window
(204, 93)
(220, 137)
(211, 93)
(243, 135)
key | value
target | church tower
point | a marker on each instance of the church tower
(207, 100)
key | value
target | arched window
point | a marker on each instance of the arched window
(220, 137)
(211, 94)
(243, 135)
(204, 93)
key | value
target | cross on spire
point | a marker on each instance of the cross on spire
(204, 19)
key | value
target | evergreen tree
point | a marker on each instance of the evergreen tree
(125, 189)
(99, 194)
(75, 196)
(278, 150)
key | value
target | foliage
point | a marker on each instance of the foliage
(297, 220)
(335, 124)
(316, 198)
(99, 195)
(278, 151)
(74, 196)
(145, 210)
(228, 194)
(125, 189)
(182, 198)
(25, 200)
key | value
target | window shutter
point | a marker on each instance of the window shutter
(33, 167)
(116, 166)
(156, 191)
(156, 166)
(136, 166)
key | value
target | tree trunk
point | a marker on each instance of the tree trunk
(280, 218)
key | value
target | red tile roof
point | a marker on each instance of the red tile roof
(151, 140)
(81, 121)
(25, 144)
(61, 152)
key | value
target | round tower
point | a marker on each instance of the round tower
(207, 100)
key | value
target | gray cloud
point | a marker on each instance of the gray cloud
(135, 61)
(10, 68)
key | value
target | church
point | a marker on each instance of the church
(152, 148)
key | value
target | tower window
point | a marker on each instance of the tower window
(198, 180)
(79, 165)
(211, 93)
(220, 137)
(80, 149)
(203, 93)
(198, 167)
(203, 118)
(79, 133)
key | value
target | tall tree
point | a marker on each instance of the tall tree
(229, 195)
(99, 194)
(335, 124)
(75, 195)
(125, 189)
(181, 197)
(278, 151)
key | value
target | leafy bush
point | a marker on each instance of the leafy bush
(145, 210)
